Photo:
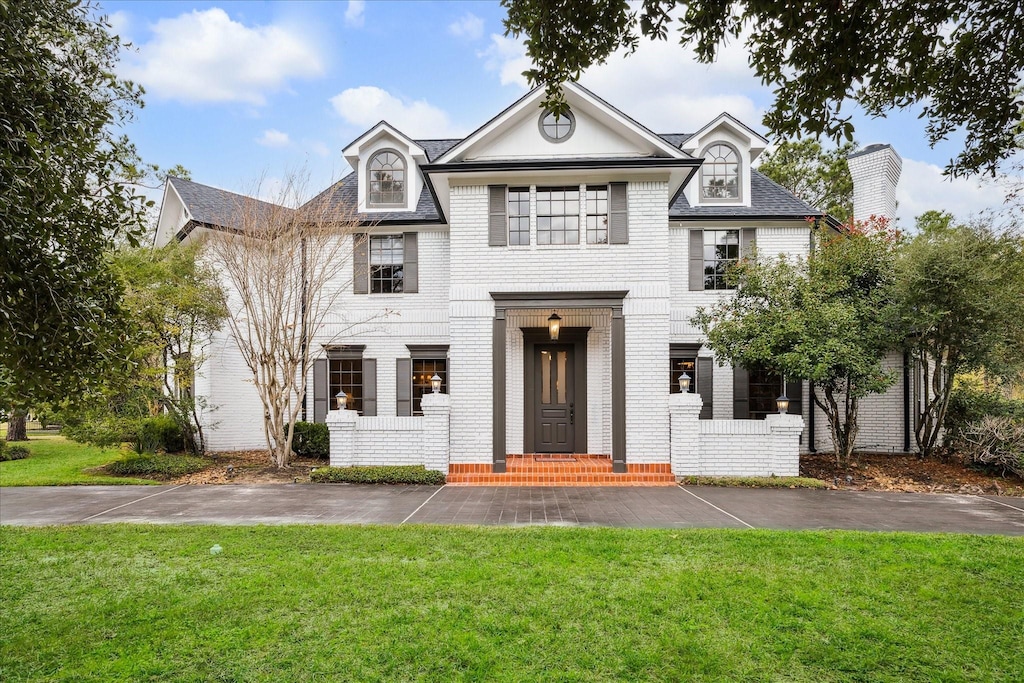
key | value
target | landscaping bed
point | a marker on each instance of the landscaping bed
(902, 472)
(251, 467)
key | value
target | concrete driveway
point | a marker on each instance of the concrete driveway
(680, 507)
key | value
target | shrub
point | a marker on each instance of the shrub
(12, 452)
(393, 474)
(312, 440)
(968, 405)
(995, 442)
(158, 433)
(150, 465)
(756, 482)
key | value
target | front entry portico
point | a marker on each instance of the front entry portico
(555, 420)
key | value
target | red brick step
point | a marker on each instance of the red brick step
(549, 469)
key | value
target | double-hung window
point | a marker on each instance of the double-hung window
(682, 361)
(386, 264)
(519, 215)
(422, 370)
(345, 373)
(597, 214)
(721, 252)
(558, 215)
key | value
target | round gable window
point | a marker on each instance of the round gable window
(557, 128)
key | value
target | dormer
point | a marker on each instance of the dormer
(728, 149)
(386, 162)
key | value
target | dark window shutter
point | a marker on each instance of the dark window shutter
(748, 240)
(705, 384)
(411, 265)
(618, 214)
(320, 388)
(696, 260)
(795, 394)
(369, 387)
(403, 386)
(360, 263)
(497, 219)
(740, 393)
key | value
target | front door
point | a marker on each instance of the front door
(554, 399)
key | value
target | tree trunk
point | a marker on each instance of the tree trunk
(16, 426)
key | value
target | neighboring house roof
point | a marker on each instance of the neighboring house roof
(214, 207)
(767, 199)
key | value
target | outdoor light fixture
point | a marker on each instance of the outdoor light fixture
(554, 322)
(342, 400)
(435, 383)
(783, 403)
(684, 383)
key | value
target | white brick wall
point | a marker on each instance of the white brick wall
(875, 175)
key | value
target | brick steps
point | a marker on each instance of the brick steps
(561, 470)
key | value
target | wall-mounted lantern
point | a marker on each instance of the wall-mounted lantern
(684, 383)
(554, 322)
(435, 383)
(782, 402)
(342, 400)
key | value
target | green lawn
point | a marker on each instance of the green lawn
(130, 603)
(56, 461)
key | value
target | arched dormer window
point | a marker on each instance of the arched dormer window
(386, 179)
(720, 173)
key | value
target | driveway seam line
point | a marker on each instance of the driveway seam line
(131, 502)
(1012, 507)
(421, 505)
(717, 508)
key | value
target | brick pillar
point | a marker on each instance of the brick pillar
(436, 412)
(684, 415)
(785, 444)
(342, 426)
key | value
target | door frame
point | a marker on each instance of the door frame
(568, 336)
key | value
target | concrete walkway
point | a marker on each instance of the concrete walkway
(690, 506)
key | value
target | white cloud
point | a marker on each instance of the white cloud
(120, 23)
(468, 26)
(507, 57)
(366, 105)
(273, 138)
(319, 148)
(207, 57)
(354, 13)
(922, 187)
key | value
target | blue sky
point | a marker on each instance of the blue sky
(238, 91)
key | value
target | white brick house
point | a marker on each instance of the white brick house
(476, 243)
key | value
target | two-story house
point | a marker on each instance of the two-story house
(588, 222)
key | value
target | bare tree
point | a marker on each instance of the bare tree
(285, 269)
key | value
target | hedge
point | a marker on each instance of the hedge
(394, 474)
(169, 466)
(12, 452)
(312, 440)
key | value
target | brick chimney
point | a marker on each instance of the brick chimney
(875, 170)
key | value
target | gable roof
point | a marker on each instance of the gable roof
(768, 199)
(214, 207)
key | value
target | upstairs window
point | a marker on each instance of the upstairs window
(387, 180)
(597, 214)
(558, 215)
(720, 173)
(519, 215)
(721, 252)
(557, 128)
(387, 264)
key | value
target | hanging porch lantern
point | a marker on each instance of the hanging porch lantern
(554, 322)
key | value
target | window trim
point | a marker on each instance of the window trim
(738, 199)
(550, 138)
(369, 180)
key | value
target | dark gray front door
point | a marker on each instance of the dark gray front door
(554, 398)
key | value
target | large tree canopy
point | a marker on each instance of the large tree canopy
(819, 177)
(63, 196)
(960, 61)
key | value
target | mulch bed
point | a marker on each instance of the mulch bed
(251, 467)
(901, 472)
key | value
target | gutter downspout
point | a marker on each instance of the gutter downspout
(906, 401)
(810, 419)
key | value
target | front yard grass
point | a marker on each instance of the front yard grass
(128, 603)
(56, 461)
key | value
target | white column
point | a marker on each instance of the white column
(342, 426)
(785, 444)
(684, 415)
(436, 413)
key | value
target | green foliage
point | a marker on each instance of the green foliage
(160, 433)
(158, 466)
(64, 171)
(311, 440)
(963, 292)
(12, 452)
(394, 474)
(144, 434)
(56, 461)
(959, 62)
(756, 482)
(969, 403)
(830, 319)
(820, 178)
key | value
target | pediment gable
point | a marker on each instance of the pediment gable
(598, 130)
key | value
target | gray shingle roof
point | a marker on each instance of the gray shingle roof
(343, 195)
(213, 206)
(767, 199)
